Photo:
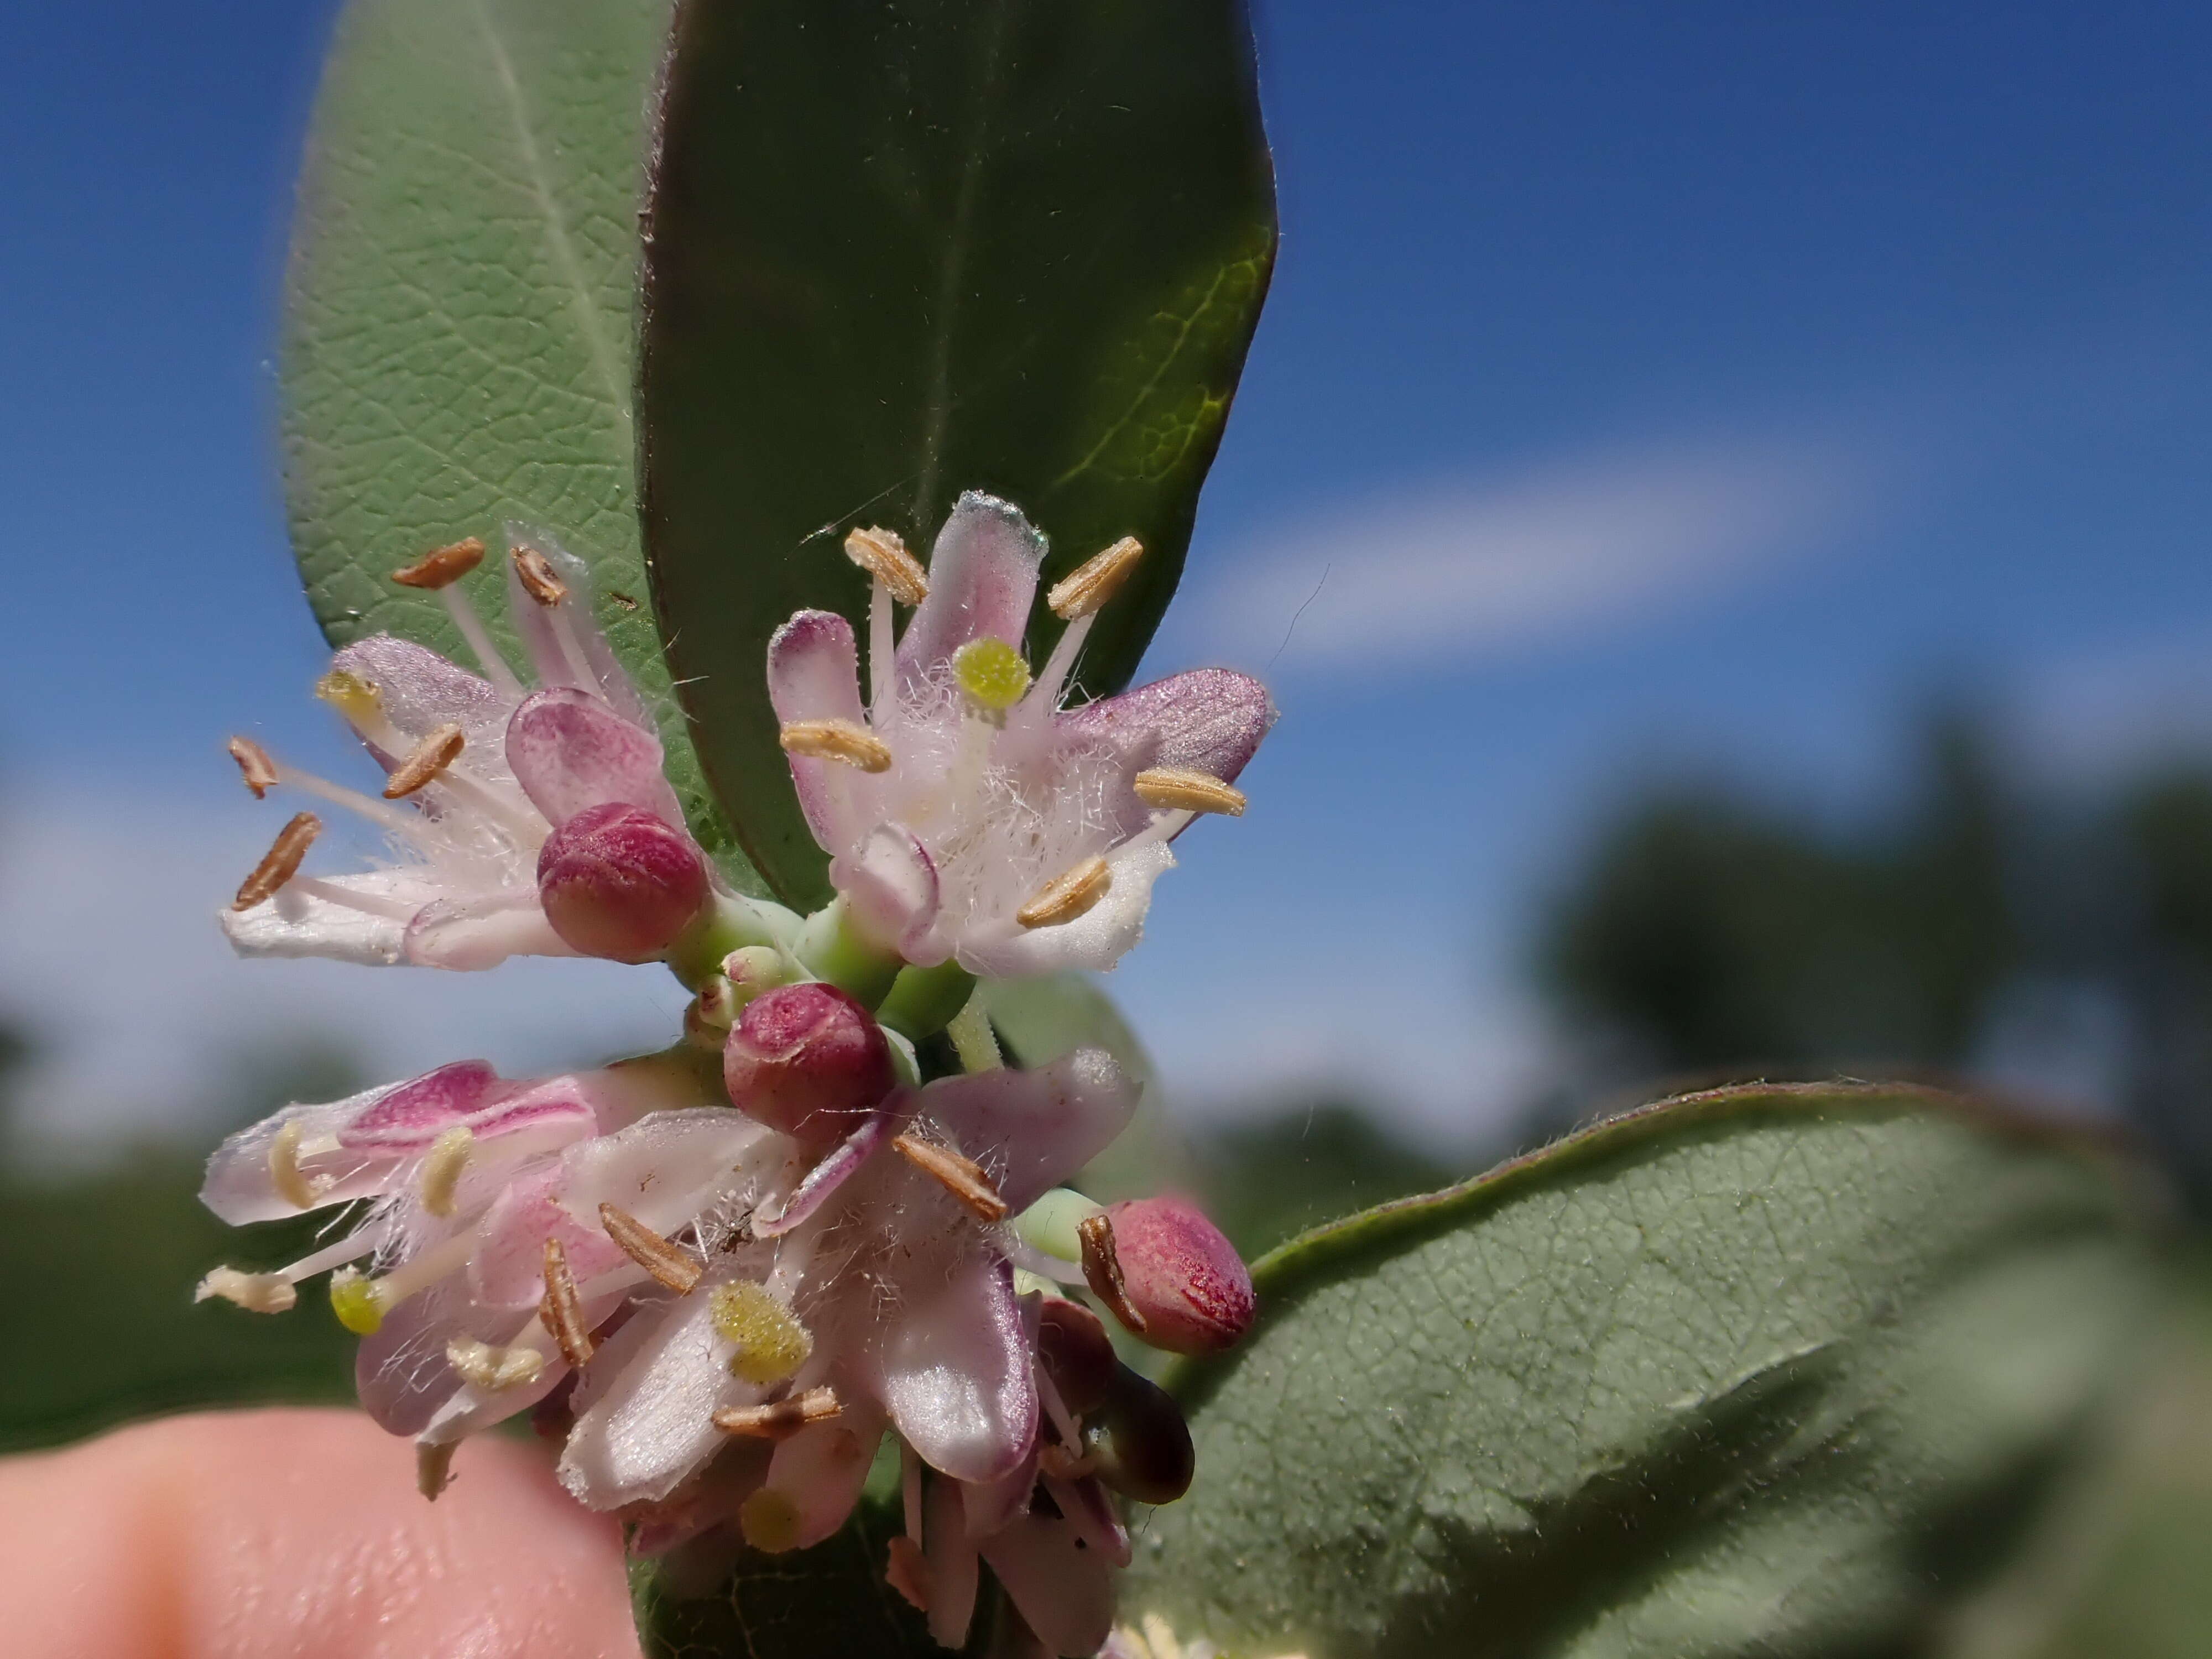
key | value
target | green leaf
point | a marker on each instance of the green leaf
(1767, 1370)
(1039, 1019)
(897, 250)
(459, 313)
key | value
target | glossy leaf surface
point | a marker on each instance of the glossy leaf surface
(896, 251)
(1770, 1370)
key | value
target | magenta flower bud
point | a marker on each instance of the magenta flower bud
(808, 1059)
(1167, 1274)
(619, 882)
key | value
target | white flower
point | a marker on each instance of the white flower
(969, 816)
(490, 787)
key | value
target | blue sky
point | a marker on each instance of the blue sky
(1643, 389)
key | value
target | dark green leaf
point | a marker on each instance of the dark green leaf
(899, 250)
(460, 311)
(1768, 1371)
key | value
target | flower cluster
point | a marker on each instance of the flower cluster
(735, 1277)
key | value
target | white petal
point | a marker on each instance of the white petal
(1095, 940)
(483, 932)
(295, 924)
(650, 1422)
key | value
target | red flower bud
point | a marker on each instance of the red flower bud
(1167, 1273)
(617, 881)
(808, 1059)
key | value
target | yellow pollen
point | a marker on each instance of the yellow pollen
(284, 1171)
(1088, 587)
(1067, 895)
(838, 740)
(991, 673)
(884, 556)
(1182, 790)
(770, 1522)
(437, 751)
(441, 567)
(441, 1168)
(489, 1370)
(266, 1293)
(357, 699)
(770, 1341)
(355, 1302)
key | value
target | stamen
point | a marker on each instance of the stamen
(678, 1270)
(838, 740)
(539, 579)
(991, 673)
(254, 766)
(486, 654)
(1066, 896)
(1184, 790)
(1102, 1270)
(883, 700)
(489, 1370)
(281, 863)
(884, 556)
(782, 1419)
(441, 1168)
(1087, 587)
(961, 1176)
(267, 1293)
(437, 751)
(770, 1341)
(904, 1572)
(360, 1304)
(434, 1467)
(442, 566)
(285, 1174)
(563, 1310)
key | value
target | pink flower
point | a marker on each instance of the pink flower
(969, 816)
(523, 822)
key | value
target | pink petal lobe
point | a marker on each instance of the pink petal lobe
(1033, 1130)
(420, 689)
(1094, 941)
(405, 1119)
(1209, 719)
(506, 1268)
(823, 1467)
(569, 751)
(1063, 1589)
(468, 934)
(890, 887)
(813, 674)
(952, 1368)
(983, 574)
(838, 1166)
(948, 1563)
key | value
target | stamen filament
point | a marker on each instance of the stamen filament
(678, 1269)
(369, 904)
(961, 1176)
(782, 1419)
(572, 647)
(480, 644)
(280, 862)
(882, 700)
(376, 812)
(1052, 684)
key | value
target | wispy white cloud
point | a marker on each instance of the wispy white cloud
(1461, 569)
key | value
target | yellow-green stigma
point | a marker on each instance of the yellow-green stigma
(357, 699)
(354, 1301)
(991, 673)
(771, 1343)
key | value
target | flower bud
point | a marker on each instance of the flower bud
(1076, 1354)
(808, 1059)
(1142, 1446)
(619, 882)
(1167, 1273)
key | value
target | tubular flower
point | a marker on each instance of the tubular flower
(470, 1186)
(968, 816)
(525, 821)
(874, 1289)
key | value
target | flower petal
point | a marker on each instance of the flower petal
(465, 934)
(1096, 940)
(1209, 719)
(669, 1168)
(948, 1563)
(405, 1119)
(836, 1167)
(1063, 1589)
(295, 924)
(506, 1268)
(421, 691)
(813, 674)
(983, 574)
(539, 627)
(569, 751)
(822, 1468)
(1033, 1130)
(650, 1420)
(891, 889)
(952, 1369)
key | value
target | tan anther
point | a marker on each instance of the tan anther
(266, 1293)
(782, 1419)
(838, 740)
(1067, 895)
(884, 556)
(434, 1467)
(961, 1176)
(280, 862)
(678, 1269)
(905, 1572)
(254, 766)
(285, 1174)
(437, 751)
(562, 1310)
(441, 1168)
(1102, 1270)
(489, 1370)
(441, 567)
(539, 579)
(1186, 791)
(1097, 579)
